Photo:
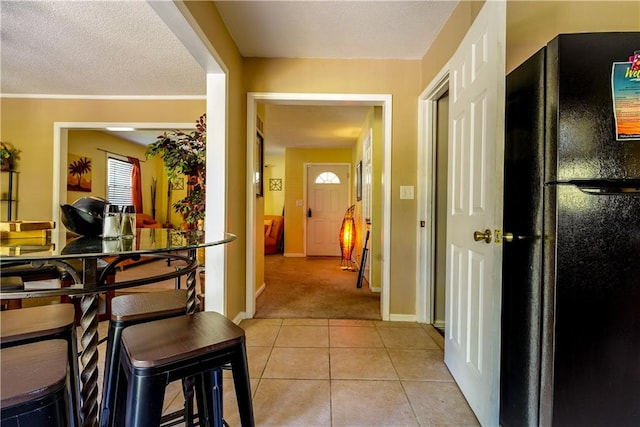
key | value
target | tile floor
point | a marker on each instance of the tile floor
(328, 372)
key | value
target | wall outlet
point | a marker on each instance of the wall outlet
(406, 191)
(299, 203)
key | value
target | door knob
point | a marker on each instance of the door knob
(508, 237)
(479, 235)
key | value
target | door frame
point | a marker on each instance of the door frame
(323, 99)
(305, 183)
(426, 193)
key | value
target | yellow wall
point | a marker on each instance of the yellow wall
(294, 171)
(274, 169)
(373, 121)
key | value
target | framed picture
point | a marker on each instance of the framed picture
(275, 184)
(359, 181)
(78, 173)
(258, 179)
(178, 185)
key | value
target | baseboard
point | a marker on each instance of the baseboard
(378, 289)
(402, 318)
(294, 255)
(240, 317)
(438, 324)
(261, 289)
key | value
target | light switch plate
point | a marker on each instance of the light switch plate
(299, 202)
(406, 191)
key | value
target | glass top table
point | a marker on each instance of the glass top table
(79, 257)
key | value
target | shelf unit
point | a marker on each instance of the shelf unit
(9, 195)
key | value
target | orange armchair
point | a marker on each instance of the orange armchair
(273, 233)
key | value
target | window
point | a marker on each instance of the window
(119, 181)
(327, 178)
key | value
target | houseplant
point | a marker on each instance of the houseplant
(8, 156)
(184, 154)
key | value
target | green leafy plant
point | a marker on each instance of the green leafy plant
(8, 155)
(185, 154)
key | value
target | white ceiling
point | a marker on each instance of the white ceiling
(123, 48)
(335, 29)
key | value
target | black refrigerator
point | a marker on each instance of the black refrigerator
(570, 347)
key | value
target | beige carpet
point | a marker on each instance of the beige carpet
(314, 287)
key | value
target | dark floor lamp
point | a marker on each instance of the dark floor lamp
(347, 238)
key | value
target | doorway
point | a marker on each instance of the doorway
(254, 217)
(432, 198)
(440, 244)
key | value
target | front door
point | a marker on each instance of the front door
(328, 199)
(476, 133)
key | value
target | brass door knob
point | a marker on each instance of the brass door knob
(508, 237)
(479, 235)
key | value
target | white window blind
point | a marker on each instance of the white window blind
(118, 181)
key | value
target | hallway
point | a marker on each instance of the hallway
(313, 287)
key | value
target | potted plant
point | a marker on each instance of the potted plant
(8, 156)
(185, 154)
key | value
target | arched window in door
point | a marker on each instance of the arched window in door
(327, 178)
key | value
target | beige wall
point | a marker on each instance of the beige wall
(448, 39)
(210, 23)
(401, 79)
(531, 24)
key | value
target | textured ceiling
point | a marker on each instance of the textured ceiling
(335, 29)
(93, 48)
(123, 48)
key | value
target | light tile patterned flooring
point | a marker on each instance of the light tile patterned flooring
(328, 372)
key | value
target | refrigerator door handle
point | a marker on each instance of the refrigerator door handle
(603, 187)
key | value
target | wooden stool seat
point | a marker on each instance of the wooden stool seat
(11, 283)
(143, 306)
(196, 345)
(36, 324)
(33, 384)
(127, 310)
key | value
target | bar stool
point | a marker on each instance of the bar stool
(156, 353)
(33, 384)
(14, 283)
(55, 321)
(128, 310)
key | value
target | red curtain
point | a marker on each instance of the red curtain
(136, 184)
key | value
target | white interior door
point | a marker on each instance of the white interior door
(367, 177)
(476, 128)
(327, 201)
